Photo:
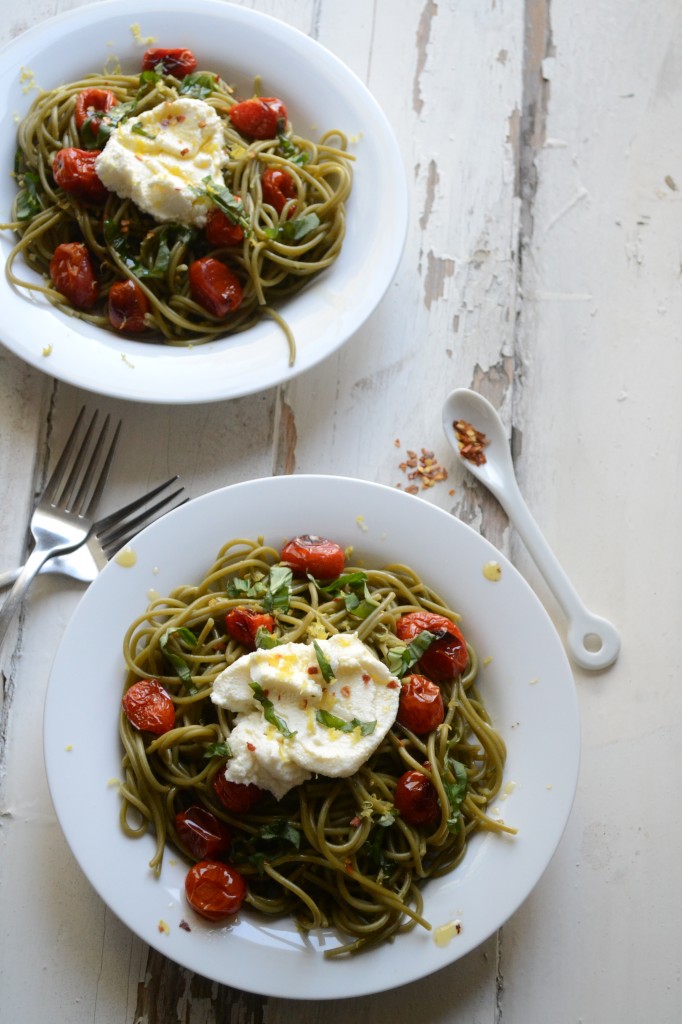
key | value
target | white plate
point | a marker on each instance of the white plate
(320, 93)
(527, 686)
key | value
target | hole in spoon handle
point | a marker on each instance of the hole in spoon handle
(593, 642)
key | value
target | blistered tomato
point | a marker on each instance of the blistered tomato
(220, 230)
(262, 117)
(237, 797)
(242, 623)
(215, 890)
(421, 705)
(149, 707)
(127, 306)
(322, 558)
(202, 833)
(214, 286)
(73, 274)
(74, 171)
(416, 800)
(91, 106)
(177, 62)
(447, 656)
(278, 187)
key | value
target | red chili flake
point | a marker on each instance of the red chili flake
(250, 746)
(365, 677)
(348, 867)
(313, 670)
(185, 927)
(345, 691)
(393, 684)
(471, 442)
(356, 821)
(423, 467)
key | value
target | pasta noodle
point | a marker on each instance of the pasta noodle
(357, 866)
(279, 251)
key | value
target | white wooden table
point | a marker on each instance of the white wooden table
(544, 155)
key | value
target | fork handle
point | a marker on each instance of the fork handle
(31, 568)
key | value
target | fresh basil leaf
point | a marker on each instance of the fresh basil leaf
(322, 661)
(265, 640)
(239, 586)
(294, 230)
(222, 749)
(280, 828)
(401, 658)
(28, 201)
(148, 80)
(177, 661)
(279, 589)
(269, 712)
(334, 722)
(198, 85)
(346, 579)
(456, 792)
(242, 854)
(222, 197)
(138, 129)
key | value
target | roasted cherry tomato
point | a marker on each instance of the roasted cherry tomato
(214, 286)
(74, 171)
(242, 623)
(202, 833)
(416, 800)
(173, 62)
(278, 188)
(323, 559)
(237, 797)
(215, 890)
(220, 230)
(447, 656)
(91, 105)
(421, 705)
(149, 707)
(262, 117)
(127, 307)
(73, 274)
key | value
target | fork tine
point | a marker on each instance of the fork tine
(126, 534)
(104, 472)
(60, 469)
(64, 497)
(117, 517)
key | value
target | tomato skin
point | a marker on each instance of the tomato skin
(214, 286)
(74, 171)
(322, 558)
(242, 623)
(127, 306)
(261, 117)
(220, 230)
(447, 656)
(73, 274)
(237, 797)
(202, 833)
(421, 705)
(416, 800)
(176, 62)
(215, 890)
(149, 707)
(91, 102)
(278, 188)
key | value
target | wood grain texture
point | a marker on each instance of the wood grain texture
(542, 267)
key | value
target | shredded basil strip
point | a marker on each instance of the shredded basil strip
(28, 201)
(281, 828)
(177, 661)
(323, 662)
(401, 658)
(265, 640)
(269, 712)
(293, 153)
(198, 85)
(222, 749)
(346, 579)
(222, 197)
(456, 792)
(138, 129)
(294, 230)
(333, 722)
(154, 255)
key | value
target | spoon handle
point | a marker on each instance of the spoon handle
(593, 641)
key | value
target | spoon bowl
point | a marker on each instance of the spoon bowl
(592, 641)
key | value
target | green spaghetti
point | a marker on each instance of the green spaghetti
(335, 852)
(276, 240)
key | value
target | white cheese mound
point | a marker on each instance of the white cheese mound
(362, 689)
(157, 158)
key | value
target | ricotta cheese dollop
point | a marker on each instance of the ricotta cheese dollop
(288, 724)
(158, 158)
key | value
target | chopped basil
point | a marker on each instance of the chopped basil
(281, 828)
(222, 749)
(325, 667)
(148, 81)
(333, 722)
(265, 640)
(177, 661)
(108, 122)
(278, 594)
(294, 230)
(346, 579)
(269, 712)
(28, 201)
(401, 658)
(225, 200)
(198, 85)
(153, 256)
(293, 153)
(456, 792)
(138, 129)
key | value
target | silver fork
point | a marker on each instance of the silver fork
(108, 535)
(63, 517)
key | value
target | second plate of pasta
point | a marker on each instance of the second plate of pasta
(401, 555)
(135, 177)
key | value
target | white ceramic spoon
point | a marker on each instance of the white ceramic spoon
(592, 641)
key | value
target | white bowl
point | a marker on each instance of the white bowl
(525, 681)
(320, 93)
